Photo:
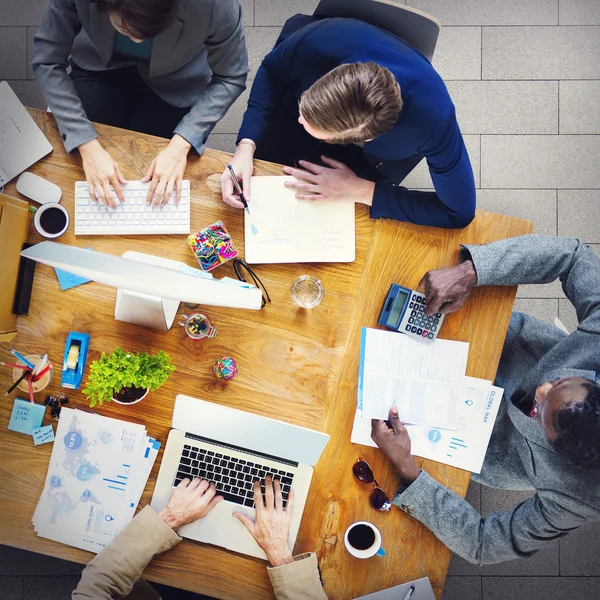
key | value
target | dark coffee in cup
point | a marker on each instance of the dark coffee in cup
(53, 220)
(361, 537)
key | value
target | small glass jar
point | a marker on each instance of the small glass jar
(198, 326)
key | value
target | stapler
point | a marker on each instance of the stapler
(76, 352)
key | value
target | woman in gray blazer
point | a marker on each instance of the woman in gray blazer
(170, 68)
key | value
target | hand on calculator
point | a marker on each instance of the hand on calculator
(448, 289)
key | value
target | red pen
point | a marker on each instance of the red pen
(13, 366)
(42, 372)
(30, 382)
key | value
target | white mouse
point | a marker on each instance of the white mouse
(38, 189)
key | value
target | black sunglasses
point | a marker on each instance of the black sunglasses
(239, 266)
(379, 499)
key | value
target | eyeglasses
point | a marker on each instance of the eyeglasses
(362, 472)
(239, 266)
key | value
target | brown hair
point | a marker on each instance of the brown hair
(354, 102)
(142, 19)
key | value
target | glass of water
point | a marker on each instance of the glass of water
(307, 291)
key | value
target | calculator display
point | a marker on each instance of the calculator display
(397, 309)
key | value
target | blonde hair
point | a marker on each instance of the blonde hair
(353, 102)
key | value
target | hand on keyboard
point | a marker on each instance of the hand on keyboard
(102, 172)
(166, 172)
(191, 500)
(271, 530)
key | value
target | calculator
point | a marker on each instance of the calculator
(404, 311)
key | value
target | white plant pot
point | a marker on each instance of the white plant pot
(130, 403)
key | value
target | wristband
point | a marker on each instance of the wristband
(247, 142)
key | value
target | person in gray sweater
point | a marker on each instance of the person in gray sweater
(546, 438)
(170, 68)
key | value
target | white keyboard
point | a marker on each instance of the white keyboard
(134, 217)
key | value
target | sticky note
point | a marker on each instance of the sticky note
(68, 280)
(25, 416)
(43, 435)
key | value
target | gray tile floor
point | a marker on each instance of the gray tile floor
(525, 78)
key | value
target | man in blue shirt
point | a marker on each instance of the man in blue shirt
(362, 108)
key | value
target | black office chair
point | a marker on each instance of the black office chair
(417, 28)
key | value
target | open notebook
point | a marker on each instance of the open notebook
(279, 228)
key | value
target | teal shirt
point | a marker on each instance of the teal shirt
(127, 47)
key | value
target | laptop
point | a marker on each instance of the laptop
(233, 448)
(22, 142)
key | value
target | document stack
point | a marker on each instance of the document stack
(448, 415)
(97, 474)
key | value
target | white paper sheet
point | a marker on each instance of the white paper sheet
(464, 448)
(279, 228)
(97, 472)
(22, 143)
(422, 379)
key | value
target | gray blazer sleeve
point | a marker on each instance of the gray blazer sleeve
(228, 60)
(51, 49)
(542, 259)
(517, 533)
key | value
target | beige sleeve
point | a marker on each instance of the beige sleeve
(115, 570)
(299, 580)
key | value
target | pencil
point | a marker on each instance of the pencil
(18, 381)
(30, 382)
(21, 358)
(41, 365)
(13, 366)
(42, 372)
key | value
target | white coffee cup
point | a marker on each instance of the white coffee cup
(372, 550)
(42, 222)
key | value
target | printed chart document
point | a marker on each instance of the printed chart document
(97, 473)
(279, 228)
(422, 379)
(464, 448)
(22, 142)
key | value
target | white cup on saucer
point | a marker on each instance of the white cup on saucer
(363, 540)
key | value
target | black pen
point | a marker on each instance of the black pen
(236, 183)
(409, 593)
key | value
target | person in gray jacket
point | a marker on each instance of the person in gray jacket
(170, 68)
(546, 438)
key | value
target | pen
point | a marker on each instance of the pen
(22, 358)
(409, 593)
(30, 383)
(236, 183)
(13, 366)
(17, 382)
(42, 372)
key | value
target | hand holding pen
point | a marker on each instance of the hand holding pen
(238, 171)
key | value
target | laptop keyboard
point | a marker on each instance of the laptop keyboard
(233, 478)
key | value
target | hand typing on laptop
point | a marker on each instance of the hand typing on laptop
(190, 501)
(109, 576)
(271, 530)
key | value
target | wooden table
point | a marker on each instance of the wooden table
(295, 365)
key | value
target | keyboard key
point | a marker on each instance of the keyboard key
(238, 467)
(185, 453)
(210, 453)
(254, 471)
(185, 468)
(286, 481)
(232, 497)
(218, 456)
(248, 502)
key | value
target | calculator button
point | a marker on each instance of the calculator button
(436, 321)
(413, 329)
(430, 319)
(411, 305)
(407, 328)
(425, 334)
(411, 320)
(413, 313)
(430, 335)
(433, 328)
(414, 297)
(438, 315)
(419, 331)
(422, 308)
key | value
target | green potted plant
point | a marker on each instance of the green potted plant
(126, 377)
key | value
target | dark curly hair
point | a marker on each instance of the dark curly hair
(142, 19)
(578, 429)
